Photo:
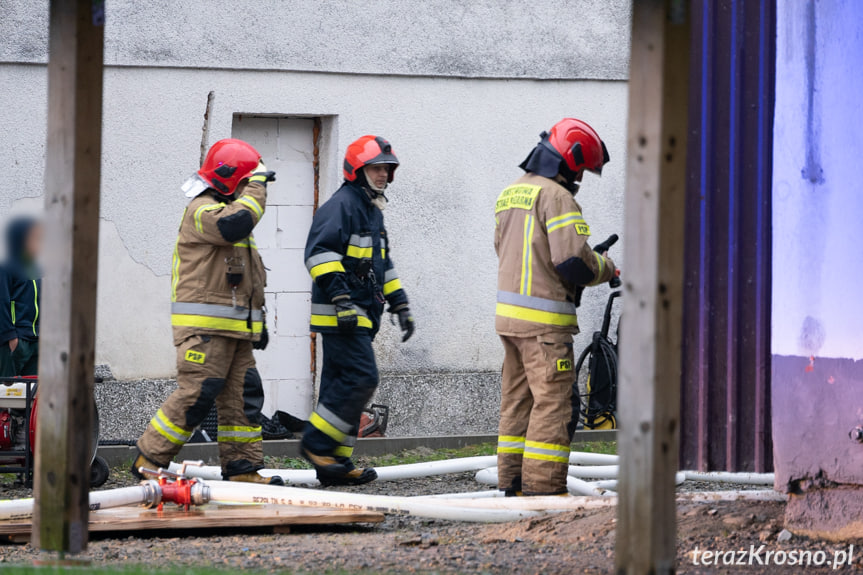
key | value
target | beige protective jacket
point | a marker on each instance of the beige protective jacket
(543, 258)
(215, 238)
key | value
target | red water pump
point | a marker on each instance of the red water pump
(7, 430)
(19, 403)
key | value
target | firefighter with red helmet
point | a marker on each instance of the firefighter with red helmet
(217, 314)
(348, 255)
(544, 260)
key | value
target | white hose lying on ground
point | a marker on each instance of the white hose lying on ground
(467, 495)
(728, 477)
(541, 503)
(486, 506)
(574, 485)
(611, 484)
(228, 492)
(121, 497)
(732, 495)
(593, 472)
(399, 472)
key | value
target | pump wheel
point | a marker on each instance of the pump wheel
(99, 472)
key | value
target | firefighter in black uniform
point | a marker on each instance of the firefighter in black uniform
(348, 257)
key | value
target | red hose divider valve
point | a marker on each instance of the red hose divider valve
(179, 491)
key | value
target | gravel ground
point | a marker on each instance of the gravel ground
(576, 542)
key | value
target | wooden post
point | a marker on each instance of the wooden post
(68, 310)
(653, 303)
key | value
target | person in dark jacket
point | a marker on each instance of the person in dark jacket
(348, 257)
(19, 299)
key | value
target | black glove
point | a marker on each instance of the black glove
(265, 339)
(406, 323)
(263, 177)
(346, 313)
(261, 174)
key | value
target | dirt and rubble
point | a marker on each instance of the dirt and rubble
(574, 542)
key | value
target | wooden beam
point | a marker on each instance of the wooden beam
(68, 310)
(651, 329)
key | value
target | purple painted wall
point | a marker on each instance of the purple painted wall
(817, 335)
(725, 400)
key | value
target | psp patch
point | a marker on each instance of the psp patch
(195, 356)
(564, 365)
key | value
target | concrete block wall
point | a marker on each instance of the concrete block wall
(461, 90)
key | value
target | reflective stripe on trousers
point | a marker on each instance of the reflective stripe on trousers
(546, 451)
(168, 430)
(510, 444)
(330, 424)
(239, 433)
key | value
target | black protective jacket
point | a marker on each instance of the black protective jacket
(19, 287)
(348, 252)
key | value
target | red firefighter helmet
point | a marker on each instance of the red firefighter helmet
(570, 148)
(229, 162)
(366, 151)
(579, 145)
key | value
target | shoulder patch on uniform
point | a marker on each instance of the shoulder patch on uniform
(564, 365)
(196, 356)
(521, 196)
(582, 229)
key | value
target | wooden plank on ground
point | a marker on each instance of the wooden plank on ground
(68, 306)
(653, 304)
(135, 519)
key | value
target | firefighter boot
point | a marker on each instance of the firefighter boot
(143, 462)
(255, 477)
(332, 470)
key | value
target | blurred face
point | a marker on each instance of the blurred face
(33, 245)
(378, 174)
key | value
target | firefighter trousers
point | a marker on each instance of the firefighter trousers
(211, 370)
(533, 441)
(349, 378)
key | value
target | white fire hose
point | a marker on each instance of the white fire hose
(121, 497)
(233, 493)
(484, 506)
(408, 471)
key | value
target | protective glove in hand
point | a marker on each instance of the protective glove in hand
(261, 174)
(265, 339)
(346, 313)
(406, 323)
(263, 177)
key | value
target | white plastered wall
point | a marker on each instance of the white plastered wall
(459, 141)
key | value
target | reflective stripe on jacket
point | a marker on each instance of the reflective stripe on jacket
(214, 233)
(543, 256)
(347, 252)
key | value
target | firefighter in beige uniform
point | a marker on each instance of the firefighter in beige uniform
(217, 304)
(544, 261)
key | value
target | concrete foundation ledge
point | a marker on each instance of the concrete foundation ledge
(835, 513)
(117, 455)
